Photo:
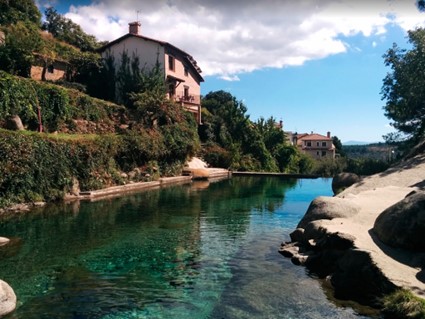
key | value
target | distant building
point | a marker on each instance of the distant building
(181, 72)
(316, 145)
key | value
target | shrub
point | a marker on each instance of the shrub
(402, 304)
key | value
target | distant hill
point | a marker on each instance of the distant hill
(357, 143)
(377, 151)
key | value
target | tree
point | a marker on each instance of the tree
(338, 145)
(16, 56)
(13, 11)
(421, 5)
(403, 87)
(272, 134)
(64, 29)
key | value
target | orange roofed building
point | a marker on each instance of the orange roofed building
(182, 74)
(316, 145)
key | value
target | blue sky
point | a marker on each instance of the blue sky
(316, 65)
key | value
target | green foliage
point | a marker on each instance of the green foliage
(216, 156)
(85, 68)
(366, 166)
(329, 167)
(64, 29)
(54, 105)
(13, 11)
(40, 167)
(16, 55)
(338, 146)
(238, 143)
(19, 96)
(402, 304)
(403, 87)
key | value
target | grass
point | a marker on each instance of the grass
(403, 304)
(58, 136)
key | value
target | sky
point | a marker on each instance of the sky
(317, 65)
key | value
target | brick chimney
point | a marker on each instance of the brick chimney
(329, 135)
(134, 27)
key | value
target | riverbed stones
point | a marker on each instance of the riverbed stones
(344, 180)
(328, 208)
(403, 224)
(7, 299)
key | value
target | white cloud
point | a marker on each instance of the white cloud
(374, 44)
(232, 37)
(231, 78)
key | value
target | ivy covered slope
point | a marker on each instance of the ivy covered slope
(44, 166)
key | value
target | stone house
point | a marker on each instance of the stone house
(45, 69)
(316, 145)
(181, 72)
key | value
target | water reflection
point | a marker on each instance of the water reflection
(178, 252)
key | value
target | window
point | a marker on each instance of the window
(323, 153)
(318, 153)
(171, 63)
(50, 68)
(317, 144)
(308, 144)
(186, 93)
(324, 144)
(186, 71)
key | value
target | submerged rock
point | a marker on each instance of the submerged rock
(403, 224)
(7, 299)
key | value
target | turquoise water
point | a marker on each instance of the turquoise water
(193, 251)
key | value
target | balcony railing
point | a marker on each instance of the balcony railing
(188, 98)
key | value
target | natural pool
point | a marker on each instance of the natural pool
(193, 251)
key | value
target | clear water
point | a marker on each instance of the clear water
(194, 251)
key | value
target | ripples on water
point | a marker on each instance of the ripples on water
(180, 252)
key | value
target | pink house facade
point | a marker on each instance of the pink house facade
(182, 74)
(316, 145)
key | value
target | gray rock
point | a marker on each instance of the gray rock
(344, 180)
(289, 250)
(403, 224)
(14, 123)
(4, 241)
(328, 208)
(297, 235)
(314, 230)
(75, 188)
(7, 299)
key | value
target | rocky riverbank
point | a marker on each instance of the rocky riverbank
(341, 240)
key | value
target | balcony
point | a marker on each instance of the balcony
(189, 99)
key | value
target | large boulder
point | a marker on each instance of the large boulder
(7, 299)
(4, 241)
(344, 180)
(14, 123)
(403, 224)
(328, 208)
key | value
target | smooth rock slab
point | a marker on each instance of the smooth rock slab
(7, 299)
(328, 208)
